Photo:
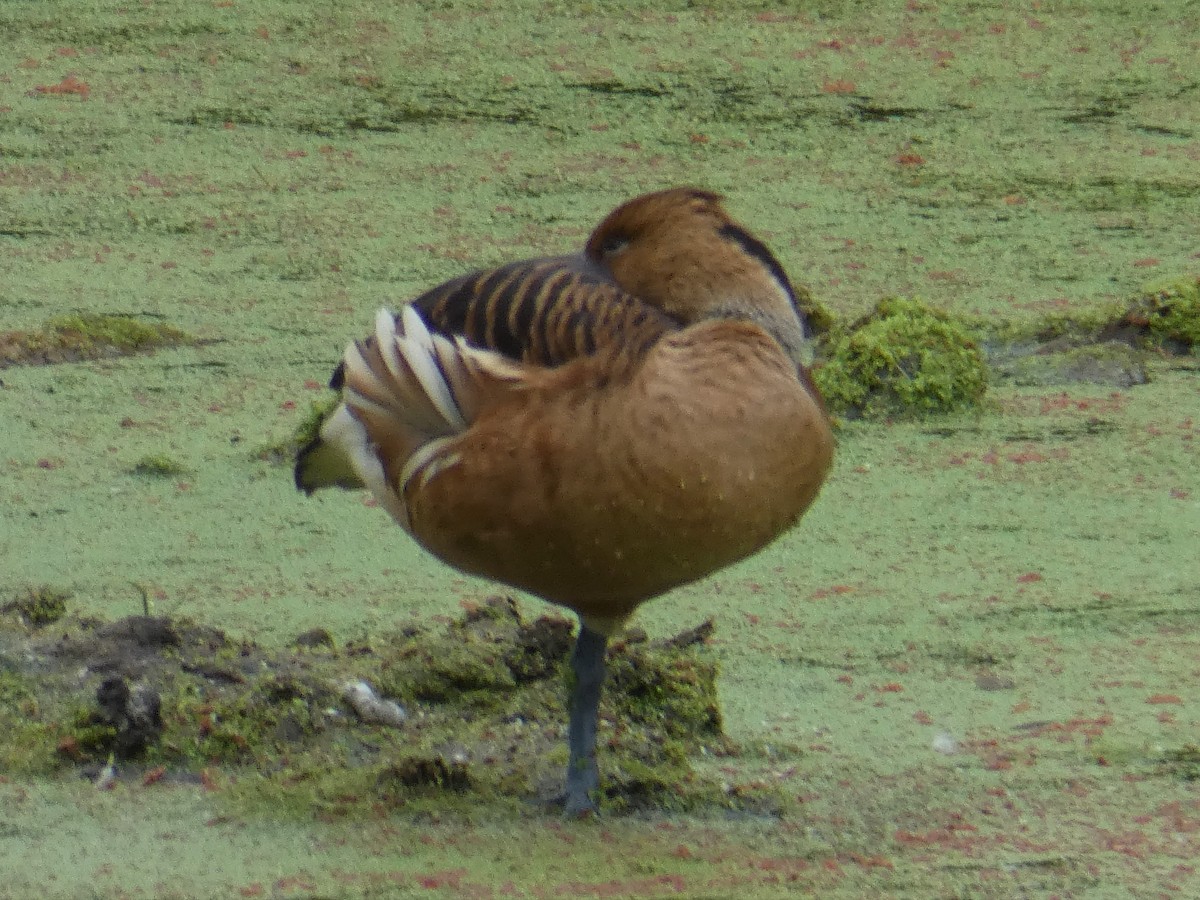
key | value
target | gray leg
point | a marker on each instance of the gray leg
(583, 777)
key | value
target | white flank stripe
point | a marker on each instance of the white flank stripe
(421, 458)
(362, 372)
(416, 346)
(385, 336)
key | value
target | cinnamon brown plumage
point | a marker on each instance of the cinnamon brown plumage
(593, 429)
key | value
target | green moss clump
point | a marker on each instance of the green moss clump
(903, 359)
(27, 748)
(437, 771)
(88, 736)
(124, 333)
(468, 672)
(17, 696)
(1169, 312)
(666, 784)
(309, 427)
(86, 336)
(451, 668)
(283, 452)
(1002, 339)
(672, 692)
(486, 696)
(480, 660)
(208, 725)
(666, 701)
(159, 465)
(817, 317)
(39, 606)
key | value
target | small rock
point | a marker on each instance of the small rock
(945, 743)
(989, 682)
(371, 708)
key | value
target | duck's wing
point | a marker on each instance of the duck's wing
(542, 311)
(537, 314)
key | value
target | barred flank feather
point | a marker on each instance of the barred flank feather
(405, 392)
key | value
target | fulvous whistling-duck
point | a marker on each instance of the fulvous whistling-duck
(594, 429)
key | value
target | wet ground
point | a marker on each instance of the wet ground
(971, 672)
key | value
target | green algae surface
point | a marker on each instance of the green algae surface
(971, 671)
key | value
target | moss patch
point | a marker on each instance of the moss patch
(903, 359)
(817, 316)
(160, 465)
(485, 696)
(1002, 339)
(39, 606)
(1181, 762)
(1111, 363)
(1166, 315)
(26, 735)
(86, 336)
(283, 452)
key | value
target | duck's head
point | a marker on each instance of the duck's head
(680, 251)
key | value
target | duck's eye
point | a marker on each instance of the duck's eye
(612, 245)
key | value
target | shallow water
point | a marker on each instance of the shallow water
(1019, 588)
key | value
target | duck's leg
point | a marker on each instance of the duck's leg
(583, 777)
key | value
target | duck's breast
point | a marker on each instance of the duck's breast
(599, 489)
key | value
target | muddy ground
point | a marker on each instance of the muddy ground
(970, 673)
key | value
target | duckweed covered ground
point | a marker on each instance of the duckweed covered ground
(970, 673)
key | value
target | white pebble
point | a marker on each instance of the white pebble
(107, 777)
(370, 707)
(945, 743)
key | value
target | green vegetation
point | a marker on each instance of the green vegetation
(283, 452)
(1182, 762)
(1169, 312)
(39, 606)
(1112, 363)
(160, 465)
(819, 318)
(82, 336)
(92, 332)
(28, 739)
(903, 359)
(489, 689)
